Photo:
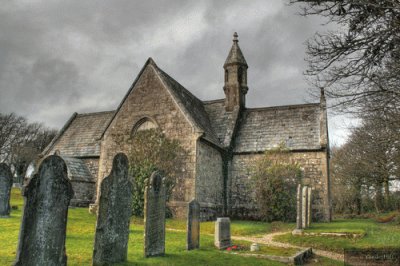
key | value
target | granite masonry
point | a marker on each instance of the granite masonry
(193, 225)
(222, 138)
(114, 213)
(222, 233)
(44, 220)
(154, 216)
(6, 182)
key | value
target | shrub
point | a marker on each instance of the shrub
(151, 150)
(275, 179)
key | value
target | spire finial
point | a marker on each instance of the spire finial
(235, 37)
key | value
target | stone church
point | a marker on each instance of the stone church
(222, 138)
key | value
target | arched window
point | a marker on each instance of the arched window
(144, 124)
(226, 75)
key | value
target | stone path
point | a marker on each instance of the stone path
(268, 240)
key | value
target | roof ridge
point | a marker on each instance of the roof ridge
(282, 106)
(214, 101)
(96, 113)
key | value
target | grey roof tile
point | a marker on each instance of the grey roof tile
(81, 137)
(297, 126)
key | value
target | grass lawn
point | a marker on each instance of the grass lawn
(377, 235)
(80, 238)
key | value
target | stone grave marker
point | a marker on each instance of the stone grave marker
(299, 216)
(154, 216)
(305, 207)
(44, 221)
(193, 225)
(113, 216)
(222, 235)
(309, 206)
(6, 182)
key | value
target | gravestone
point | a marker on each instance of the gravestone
(113, 216)
(44, 221)
(193, 225)
(222, 235)
(6, 182)
(309, 207)
(299, 216)
(154, 216)
(304, 207)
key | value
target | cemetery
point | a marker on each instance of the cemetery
(288, 156)
(51, 233)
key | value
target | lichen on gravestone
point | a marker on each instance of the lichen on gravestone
(44, 220)
(5, 189)
(193, 225)
(154, 215)
(113, 216)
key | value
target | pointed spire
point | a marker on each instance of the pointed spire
(235, 55)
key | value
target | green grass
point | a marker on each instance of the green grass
(376, 235)
(80, 238)
(238, 228)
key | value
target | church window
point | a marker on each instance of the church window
(144, 124)
(226, 75)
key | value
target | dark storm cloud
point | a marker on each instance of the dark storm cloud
(58, 57)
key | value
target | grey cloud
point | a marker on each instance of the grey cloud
(58, 57)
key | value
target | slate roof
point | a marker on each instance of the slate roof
(256, 130)
(192, 105)
(80, 137)
(297, 126)
(77, 170)
(222, 122)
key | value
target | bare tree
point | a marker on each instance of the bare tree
(367, 163)
(358, 63)
(21, 142)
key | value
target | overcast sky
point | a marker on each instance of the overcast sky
(60, 57)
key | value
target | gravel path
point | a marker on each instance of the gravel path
(268, 240)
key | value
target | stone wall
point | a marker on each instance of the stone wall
(150, 99)
(209, 181)
(93, 166)
(241, 196)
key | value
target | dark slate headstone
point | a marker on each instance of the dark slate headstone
(222, 234)
(6, 182)
(154, 216)
(193, 225)
(113, 216)
(44, 221)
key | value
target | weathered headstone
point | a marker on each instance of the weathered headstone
(44, 221)
(309, 206)
(6, 182)
(304, 207)
(222, 235)
(299, 224)
(154, 216)
(114, 213)
(193, 225)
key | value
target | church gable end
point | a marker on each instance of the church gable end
(151, 103)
